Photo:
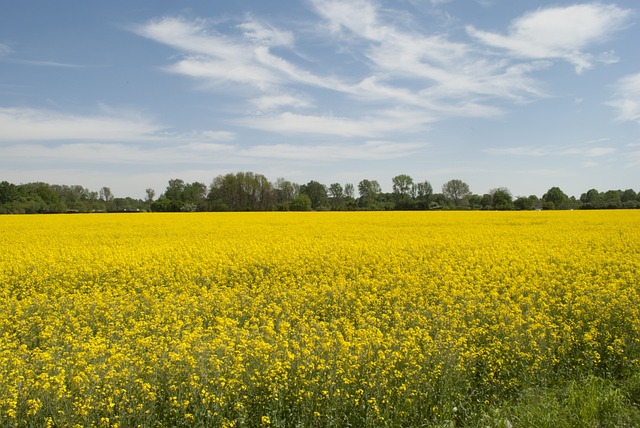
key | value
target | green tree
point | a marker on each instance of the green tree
(164, 204)
(194, 197)
(423, 191)
(628, 195)
(336, 190)
(402, 186)
(456, 192)
(150, 195)
(225, 193)
(38, 198)
(591, 199)
(555, 199)
(242, 191)
(74, 198)
(349, 190)
(526, 203)
(629, 199)
(8, 192)
(336, 196)
(486, 201)
(285, 191)
(369, 191)
(612, 199)
(317, 192)
(175, 190)
(501, 198)
(300, 202)
(173, 198)
(107, 197)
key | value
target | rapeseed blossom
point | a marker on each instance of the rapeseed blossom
(313, 319)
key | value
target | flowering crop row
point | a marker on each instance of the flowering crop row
(311, 319)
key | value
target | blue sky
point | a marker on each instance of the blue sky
(498, 93)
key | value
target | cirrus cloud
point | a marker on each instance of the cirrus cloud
(564, 33)
(626, 98)
(30, 124)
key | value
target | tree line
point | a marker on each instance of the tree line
(31, 198)
(248, 191)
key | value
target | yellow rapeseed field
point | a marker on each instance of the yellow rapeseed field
(308, 319)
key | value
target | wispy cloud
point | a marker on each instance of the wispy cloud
(633, 159)
(199, 153)
(264, 34)
(626, 98)
(399, 65)
(370, 150)
(550, 150)
(6, 56)
(277, 101)
(565, 33)
(217, 58)
(404, 77)
(121, 153)
(41, 63)
(5, 50)
(442, 69)
(372, 126)
(28, 124)
(107, 127)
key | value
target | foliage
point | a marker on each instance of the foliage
(369, 191)
(31, 198)
(317, 194)
(248, 191)
(243, 191)
(333, 319)
(501, 199)
(555, 199)
(456, 192)
(301, 202)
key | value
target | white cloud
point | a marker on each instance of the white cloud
(266, 35)
(372, 126)
(207, 136)
(626, 98)
(40, 63)
(608, 57)
(273, 102)
(445, 70)
(209, 55)
(219, 135)
(599, 151)
(340, 16)
(112, 125)
(5, 50)
(217, 72)
(486, 3)
(559, 33)
(196, 153)
(401, 67)
(633, 159)
(27, 124)
(192, 37)
(398, 65)
(537, 151)
(118, 153)
(242, 58)
(371, 150)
